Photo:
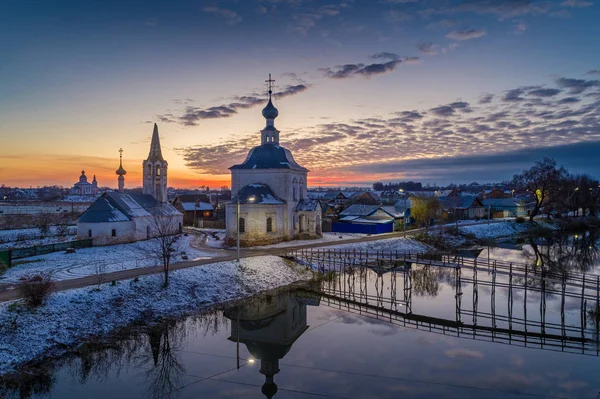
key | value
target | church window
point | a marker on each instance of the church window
(90, 233)
(269, 225)
(295, 189)
(158, 171)
(301, 189)
(242, 225)
(114, 232)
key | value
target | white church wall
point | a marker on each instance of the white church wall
(102, 232)
(255, 220)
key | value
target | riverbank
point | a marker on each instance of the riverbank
(70, 318)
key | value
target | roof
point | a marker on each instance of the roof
(202, 206)
(191, 198)
(359, 210)
(257, 193)
(500, 202)
(460, 202)
(329, 195)
(120, 207)
(394, 211)
(307, 204)
(269, 156)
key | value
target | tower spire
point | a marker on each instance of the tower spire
(155, 151)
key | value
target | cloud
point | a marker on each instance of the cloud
(366, 70)
(428, 48)
(230, 17)
(513, 95)
(576, 3)
(466, 34)
(544, 92)
(594, 72)
(576, 86)
(503, 8)
(486, 99)
(452, 141)
(192, 115)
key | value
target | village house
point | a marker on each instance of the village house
(462, 207)
(195, 208)
(368, 219)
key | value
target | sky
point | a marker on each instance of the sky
(437, 91)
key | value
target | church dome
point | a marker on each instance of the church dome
(269, 156)
(270, 112)
(121, 171)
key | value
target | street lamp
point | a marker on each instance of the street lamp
(404, 217)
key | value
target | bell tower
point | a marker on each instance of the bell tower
(155, 170)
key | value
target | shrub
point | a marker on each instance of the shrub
(520, 219)
(35, 289)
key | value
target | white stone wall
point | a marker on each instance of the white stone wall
(281, 183)
(102, 232)
(255, 216)
(129, 231)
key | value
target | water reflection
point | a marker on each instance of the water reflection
(268, 326)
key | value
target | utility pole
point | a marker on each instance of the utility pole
(237, 235)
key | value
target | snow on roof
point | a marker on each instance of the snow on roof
(202, 206)
(306, 204)
(257, 193)
(119, 207)
(359, 210)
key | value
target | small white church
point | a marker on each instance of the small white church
(119, 217)
(269, 190)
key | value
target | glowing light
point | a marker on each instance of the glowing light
(251, 361)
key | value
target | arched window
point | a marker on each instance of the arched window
(242, 225)
(158, 171)
(269, 225)
(295, 189)
(301, 188)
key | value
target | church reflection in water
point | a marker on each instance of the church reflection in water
(268, 326)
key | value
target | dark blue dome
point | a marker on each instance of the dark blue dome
(270, 112)
(269, 156)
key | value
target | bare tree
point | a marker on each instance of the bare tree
(542, 181)
(164, 231)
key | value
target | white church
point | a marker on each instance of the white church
(119, 217)
(269, 189)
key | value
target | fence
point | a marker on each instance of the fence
(19, 253)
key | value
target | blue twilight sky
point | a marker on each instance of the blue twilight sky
(433, 90)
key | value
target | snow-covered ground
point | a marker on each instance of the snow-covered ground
(19, 238)
(214, 237)
(495, 230)
(99, 260)
(71, 317)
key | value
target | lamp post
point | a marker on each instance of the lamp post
(404, 217)
(237, 234)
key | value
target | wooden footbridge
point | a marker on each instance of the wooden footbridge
(382, 284)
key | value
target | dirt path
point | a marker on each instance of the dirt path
(8, 292)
